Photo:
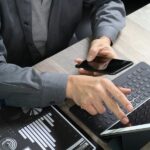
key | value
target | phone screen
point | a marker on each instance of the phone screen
(106, 66)
(139, 116)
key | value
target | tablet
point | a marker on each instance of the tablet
(139, 121)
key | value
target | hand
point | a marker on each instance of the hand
(90, 93)
(99, 47)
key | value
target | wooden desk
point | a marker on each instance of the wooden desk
(133, 43)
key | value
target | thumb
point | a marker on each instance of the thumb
(92, 53)
(78, 60)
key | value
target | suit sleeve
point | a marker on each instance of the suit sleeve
(108, 17)
(28, 87)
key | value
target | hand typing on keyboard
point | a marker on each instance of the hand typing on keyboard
(91, 93)
(138, 79)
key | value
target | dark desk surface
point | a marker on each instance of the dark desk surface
(133, 43)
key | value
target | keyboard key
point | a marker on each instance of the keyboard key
(141, 82)
(147, 86)
(139, 70)
(137, 86)
(133, 103)
(138, 100)
(129, 76)
(139, 77)
(146, 79)
(135, 73)
(139, 92)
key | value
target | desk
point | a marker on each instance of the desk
(133, 43)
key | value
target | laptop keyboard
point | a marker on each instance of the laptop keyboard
(138, 79)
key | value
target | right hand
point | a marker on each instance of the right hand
(90, 93)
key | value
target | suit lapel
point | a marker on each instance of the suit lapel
(25, 13)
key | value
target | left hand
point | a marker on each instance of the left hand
(99, 47)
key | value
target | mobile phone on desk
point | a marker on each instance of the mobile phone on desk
(105, 65)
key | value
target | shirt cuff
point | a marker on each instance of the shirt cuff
(107, 31)
(54, 88)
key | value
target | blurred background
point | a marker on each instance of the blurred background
(132, 5)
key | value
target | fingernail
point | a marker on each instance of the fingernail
(89, 58)
(125, 120)
(130, 107)
(129, 90)
(81, 69)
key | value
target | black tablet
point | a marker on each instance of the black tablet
(139, 121)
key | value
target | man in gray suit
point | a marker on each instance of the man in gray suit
(32, 30)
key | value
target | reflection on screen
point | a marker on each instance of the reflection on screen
(99, 63)
(108, 65)
(138, 117)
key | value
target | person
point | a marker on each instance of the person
(32, 30)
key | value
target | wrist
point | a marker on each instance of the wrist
(69, 86)
(105, 39)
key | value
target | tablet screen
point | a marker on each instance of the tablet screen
(139, 118)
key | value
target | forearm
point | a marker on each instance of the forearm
(27, 87)
(108, 18)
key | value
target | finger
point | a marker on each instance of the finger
(89, 73)
(92, 53)
(81, 70)
(123, 118)
(124, 90)
(78, 60)
(97, 74)
(114, 107)
(85, 72)
(99, 106)
(114, 91)
(108, 53)
(90, 109)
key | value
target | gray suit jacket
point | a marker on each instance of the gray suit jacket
(20, 84)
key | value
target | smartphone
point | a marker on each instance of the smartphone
(105, 65)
